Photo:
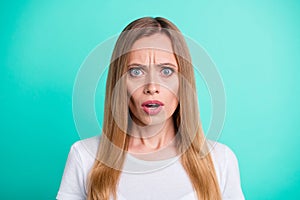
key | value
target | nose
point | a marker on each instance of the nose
(151, 85)
(151, 88)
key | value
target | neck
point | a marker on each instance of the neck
(146, 139)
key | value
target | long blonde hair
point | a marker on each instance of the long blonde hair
(195, 158)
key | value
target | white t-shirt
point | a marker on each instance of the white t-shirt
(141, 180)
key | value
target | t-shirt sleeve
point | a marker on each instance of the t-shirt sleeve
(232, 186)
(72, 186)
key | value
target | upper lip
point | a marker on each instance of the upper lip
(152, 102)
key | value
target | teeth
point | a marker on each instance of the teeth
(152, 105)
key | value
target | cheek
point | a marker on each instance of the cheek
(171, 84)
(133, 87)
(131, 104)
(134, 97)
(172, 90)
(130, 88)
(175, 100)
(171, 97)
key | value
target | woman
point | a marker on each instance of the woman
(152, 145)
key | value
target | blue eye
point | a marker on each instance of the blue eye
(167, 71)
(135, 72)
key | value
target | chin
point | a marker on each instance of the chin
(155, 120)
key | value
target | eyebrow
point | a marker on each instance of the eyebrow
(158, 65)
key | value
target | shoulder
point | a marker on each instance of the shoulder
(221, 153)
(81, 157)
(89, 144)
(82, 154)
(85, 151)
(227, 170)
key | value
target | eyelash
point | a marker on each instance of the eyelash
(134, 68)
(168, 68)
(131, 70)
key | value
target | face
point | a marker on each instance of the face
(152, 80)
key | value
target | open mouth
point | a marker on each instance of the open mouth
(152, 107)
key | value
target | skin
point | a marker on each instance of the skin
(152, 75)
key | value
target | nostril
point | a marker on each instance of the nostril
(151, 89)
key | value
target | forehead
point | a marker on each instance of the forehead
(157, 48)
(156, 41)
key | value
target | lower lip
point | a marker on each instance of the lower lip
(152, 111)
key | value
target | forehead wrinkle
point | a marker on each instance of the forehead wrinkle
(152, 56)
(165, 57)
(145, 57)
(138, 57)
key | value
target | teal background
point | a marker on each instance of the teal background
(254, 44)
